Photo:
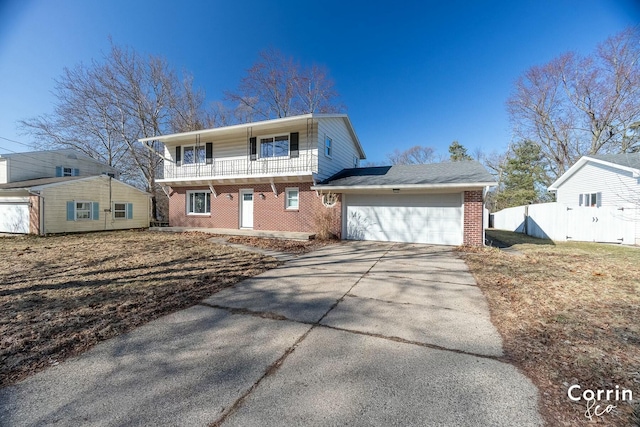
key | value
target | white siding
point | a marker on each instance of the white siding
(3, 171)
(618, 187)
(235, 145)
(343, 147)
(101, 189)
(42, 164)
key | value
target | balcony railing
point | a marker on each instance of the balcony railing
(222, 168)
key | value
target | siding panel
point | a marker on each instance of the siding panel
(343, 147)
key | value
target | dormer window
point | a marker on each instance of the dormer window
(275, 146)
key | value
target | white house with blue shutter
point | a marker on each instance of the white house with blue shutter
(62, 191)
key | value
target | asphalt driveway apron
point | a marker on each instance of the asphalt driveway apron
(359, 333)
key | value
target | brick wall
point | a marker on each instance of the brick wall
(473, 207)
(269, 213)
(34, 214)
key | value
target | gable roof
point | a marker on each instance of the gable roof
(40, 183)
(432, 175)
(629, 162)
(263, 124)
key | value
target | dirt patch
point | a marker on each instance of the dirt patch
(281, 245)
(60, 295)
(568, 314)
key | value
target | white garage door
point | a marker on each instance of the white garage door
(412, 218)
(14, 215)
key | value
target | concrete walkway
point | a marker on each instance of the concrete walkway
(352, 334)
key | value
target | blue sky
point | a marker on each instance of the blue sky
(423, 72)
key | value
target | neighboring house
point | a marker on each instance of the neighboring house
(71, 204)
(62, 191)
(48, 164)
(609, 184)
(601, 180)
(280, 175)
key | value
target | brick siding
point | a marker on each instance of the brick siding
(34, 214)
(269, 213)
(473, 209)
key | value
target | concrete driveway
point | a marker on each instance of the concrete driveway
(359, 333)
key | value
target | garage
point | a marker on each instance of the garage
(14, 214)
(410, 218)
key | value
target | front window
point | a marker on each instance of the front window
(67, 172)
(83, 210)
(277, 146)
(120, 210)
(292, 198)
(191, 155)
(198, 202)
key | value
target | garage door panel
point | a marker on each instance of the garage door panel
(434, 219)
(14, 218)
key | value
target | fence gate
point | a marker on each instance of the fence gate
(603, 224)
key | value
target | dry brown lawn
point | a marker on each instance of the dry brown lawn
(60, 295)
(289, 246)
(569, 314)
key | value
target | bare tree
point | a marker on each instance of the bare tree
(103, 109)
(574, 106)
(417, 154)
(276, 86)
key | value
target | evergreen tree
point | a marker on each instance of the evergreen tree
(458, 152)
(524, 177)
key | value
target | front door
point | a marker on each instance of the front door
(246, 208)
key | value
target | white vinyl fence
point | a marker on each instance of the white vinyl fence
(572, 223)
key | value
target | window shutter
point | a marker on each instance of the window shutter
(580, 199)
(294, 145)
(178, 156)
(129, 210)
(58, 171)
(95, 211)
(76, 172)
(71, 211)
(598, 199)
(253, 148)
(209, 152)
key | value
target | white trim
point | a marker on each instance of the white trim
(468, 186)
(274, 189)
(75, 210)
(330, 155)
(213, 191)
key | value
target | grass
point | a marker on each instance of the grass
(60, 295)
(568, 314)
(280, 245)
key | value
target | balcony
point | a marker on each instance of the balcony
(230, 168)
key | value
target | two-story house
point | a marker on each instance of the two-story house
(281, 174)
(63, 191)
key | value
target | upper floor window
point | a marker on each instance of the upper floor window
(193, 154)
(65, 171)
(328, 146)
(276, 146)
(590, 199)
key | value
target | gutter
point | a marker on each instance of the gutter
(404, 186)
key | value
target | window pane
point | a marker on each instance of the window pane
(281, 148)
(292, 199)
(188, 157)
(200, 155)
(266, 147)
(199, 203)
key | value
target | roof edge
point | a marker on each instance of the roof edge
(581, 162)
(404, 186)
